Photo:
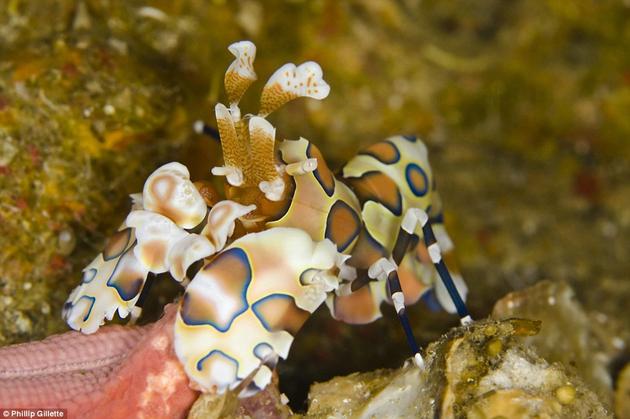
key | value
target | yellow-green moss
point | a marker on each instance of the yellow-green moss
(80, 126)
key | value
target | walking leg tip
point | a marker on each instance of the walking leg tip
(417, 359)
(136, 312)
(466, 320)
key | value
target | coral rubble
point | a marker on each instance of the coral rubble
(478, 371)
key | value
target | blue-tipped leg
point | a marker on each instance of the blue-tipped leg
(436, 257)
(384, 268)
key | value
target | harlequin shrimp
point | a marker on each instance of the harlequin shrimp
(288, 237)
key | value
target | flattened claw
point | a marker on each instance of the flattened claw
(168, 191)
(244, 307)
(156, 235)
(290, 82)
(240, 74)
(221, 219)
(186, 252)
(111, 283)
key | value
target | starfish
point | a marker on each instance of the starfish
(116, 372)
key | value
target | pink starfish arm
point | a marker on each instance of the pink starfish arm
(116, 372)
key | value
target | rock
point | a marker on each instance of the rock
(477, 371)
(568, 334)
(365, 394)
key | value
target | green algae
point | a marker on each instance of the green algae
(78, 124)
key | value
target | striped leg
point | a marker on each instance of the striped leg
(201, 127)
(385, 269)
(413, 217)
(251, 384)
(403, 241)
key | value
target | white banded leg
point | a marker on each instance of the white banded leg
(417, 216)
(258, 379)
(301, 167)
(201, 127)
(385, 269)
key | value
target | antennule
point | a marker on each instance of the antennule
(240, 74)
(262, 138)
(290, 82)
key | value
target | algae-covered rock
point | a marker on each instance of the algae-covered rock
(622, 394)
(477, 371)
(23, 21)
(82, 122)
(568, 334)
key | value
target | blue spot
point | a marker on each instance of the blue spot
(367, 191)
(218, 353)
(92, 301)
(418, 190)
(262, 351)
(250, 390)
(382, 159)
(337, 208)
(410, 138)
(89, 275)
